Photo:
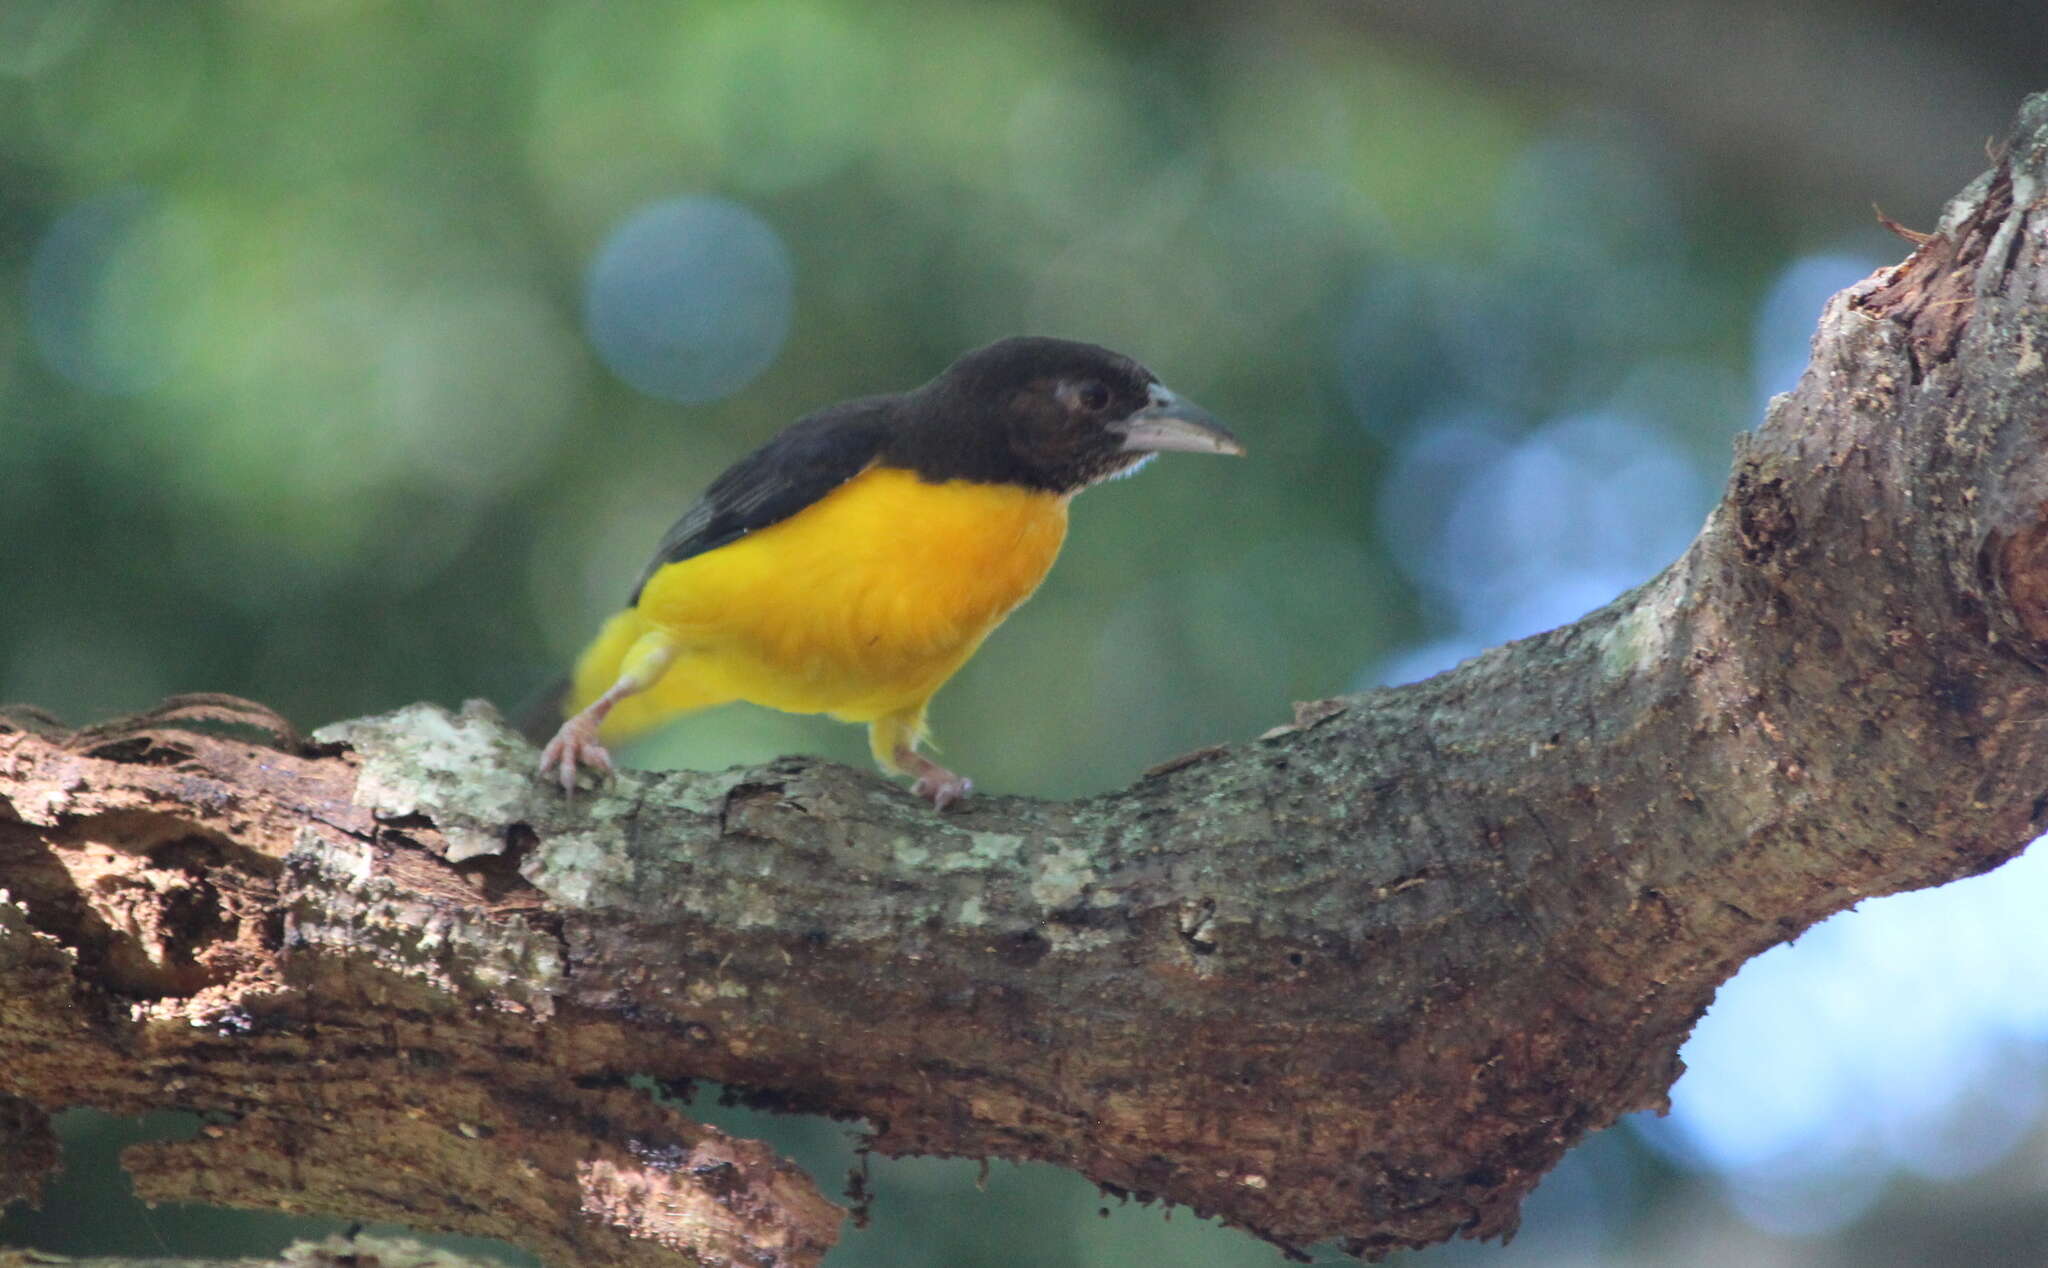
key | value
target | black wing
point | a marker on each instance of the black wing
(806, 460)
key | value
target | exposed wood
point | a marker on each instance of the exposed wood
(1363, 978)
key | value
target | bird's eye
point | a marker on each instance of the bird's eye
(1094, 397)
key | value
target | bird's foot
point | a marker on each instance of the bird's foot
(574, 747)
(934, 782)
(942, 787)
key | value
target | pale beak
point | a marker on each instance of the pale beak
(1169, 424)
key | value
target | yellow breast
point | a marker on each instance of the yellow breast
(860, 605)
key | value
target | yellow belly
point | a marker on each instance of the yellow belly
(860, 606)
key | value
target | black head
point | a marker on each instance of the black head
(1050, 414)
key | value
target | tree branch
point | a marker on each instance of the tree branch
(1366, 977)
(332, 1252)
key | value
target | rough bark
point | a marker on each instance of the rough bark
(332, 1252)
(1364, 978)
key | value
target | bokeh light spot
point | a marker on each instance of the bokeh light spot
(690, 298)
(101, 287)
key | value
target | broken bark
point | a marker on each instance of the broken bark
(1363, 978)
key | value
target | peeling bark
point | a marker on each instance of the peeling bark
(1365, 977)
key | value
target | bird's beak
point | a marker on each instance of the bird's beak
(1169, 424)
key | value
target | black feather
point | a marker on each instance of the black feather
(804, 462)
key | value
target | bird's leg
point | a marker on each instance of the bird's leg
(894, 740)
(576, 744)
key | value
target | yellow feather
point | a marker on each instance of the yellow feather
(861, 605)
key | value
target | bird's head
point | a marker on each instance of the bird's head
(1059, 415)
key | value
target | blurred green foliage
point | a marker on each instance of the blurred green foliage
(303, 408)
(323, 428)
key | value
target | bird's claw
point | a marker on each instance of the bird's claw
(942, 787)
(574, 747)
(930, 780)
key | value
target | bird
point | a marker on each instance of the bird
(853, 563)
